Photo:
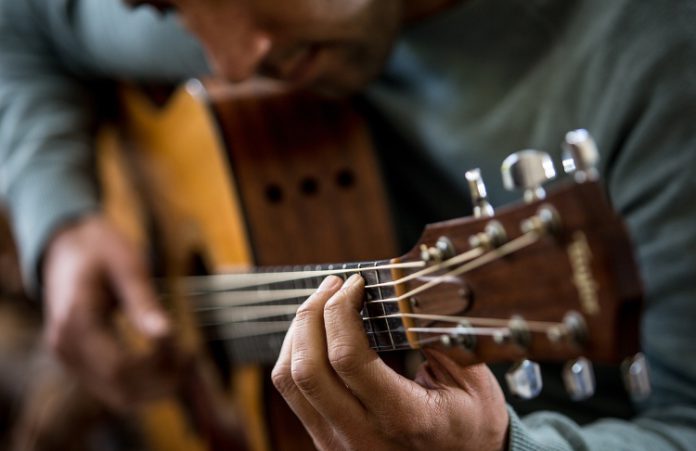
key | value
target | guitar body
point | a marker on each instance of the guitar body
(223, 178)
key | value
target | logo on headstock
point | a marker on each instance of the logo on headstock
(580, 257)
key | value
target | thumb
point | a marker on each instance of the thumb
(447, 372)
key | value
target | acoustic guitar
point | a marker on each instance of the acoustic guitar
(218, 178)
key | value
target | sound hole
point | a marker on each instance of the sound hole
(345, 178)
(274, 193)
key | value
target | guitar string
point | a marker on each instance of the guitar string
(270, 327)
(282, 309)
(224, 299)
(439, 332)
(532, 326)
(512, 246)
(201, 285)
(227, 297)
(258, 312)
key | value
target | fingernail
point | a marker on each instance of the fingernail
(352, 280)
(328, 283)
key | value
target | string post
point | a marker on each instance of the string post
(556, 334)
(519, 332)
(443, 250)
(467, 296)
(446, 341)
(463, 337)
(545, 221)
(501, 336)
(575, 328)
(493, 236)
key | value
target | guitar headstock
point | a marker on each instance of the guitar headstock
(552, 278)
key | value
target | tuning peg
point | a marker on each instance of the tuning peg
(579, 379)
(524, 379)
(580, 155)
(479, 196)
(529, 170)
(637, 377)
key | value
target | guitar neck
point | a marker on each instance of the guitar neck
(248, 314)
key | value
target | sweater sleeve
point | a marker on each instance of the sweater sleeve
(46, 109)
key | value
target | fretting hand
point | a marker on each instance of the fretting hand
(348, 398)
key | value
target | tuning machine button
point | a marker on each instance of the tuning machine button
(528, 170)
(579, 379)
(479, 196)
(637, 377)
(524, 379)
(580, 155)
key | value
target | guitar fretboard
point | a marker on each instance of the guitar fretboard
(250, 320)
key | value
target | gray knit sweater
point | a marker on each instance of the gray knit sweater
(461, 90)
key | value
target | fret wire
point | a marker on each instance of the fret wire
(372, 329)
(379, 291)
(369, 326)
(377, 324)
(366, 276)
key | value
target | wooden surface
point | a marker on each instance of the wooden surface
(539, 282)
(305, 179)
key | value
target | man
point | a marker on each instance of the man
(466, 83)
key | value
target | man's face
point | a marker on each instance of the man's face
(331, 45)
